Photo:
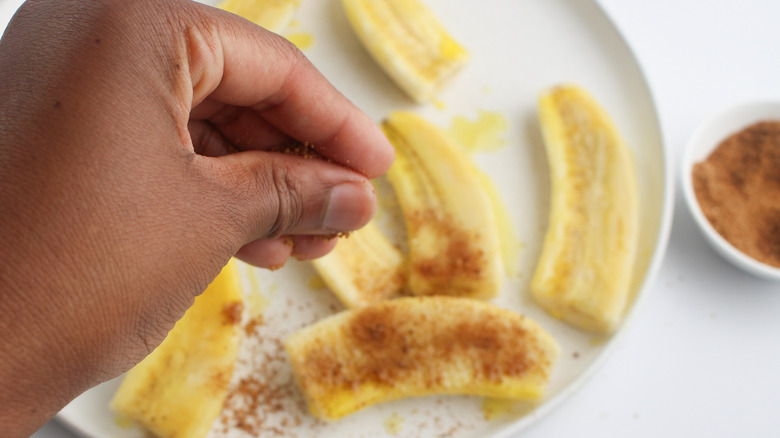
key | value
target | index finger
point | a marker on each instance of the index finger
(235, 63)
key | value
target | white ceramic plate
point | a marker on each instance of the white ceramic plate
(518, 49)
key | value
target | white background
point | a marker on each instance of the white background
(702, 355)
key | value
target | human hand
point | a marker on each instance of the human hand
(137, 144)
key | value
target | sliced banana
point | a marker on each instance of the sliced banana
(585, 270)
(454, 246)
(408, 42)
(365, 267)
(417, 346)
(274, 15)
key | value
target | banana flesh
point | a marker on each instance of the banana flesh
(273, 15)
(454, 246)
(417, 346)
(179, 389)
(408, 42)
(585, 269)
(363, 268)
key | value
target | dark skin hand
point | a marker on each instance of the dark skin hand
(137, 155)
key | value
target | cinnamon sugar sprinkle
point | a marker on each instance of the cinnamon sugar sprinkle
(302, 149)
(265, 402)
(264, 399)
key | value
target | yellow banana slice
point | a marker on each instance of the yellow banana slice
(417, 346)
(178, 390)
(584, 273)
(273, 15)
(408, 42)
(454, 247)
(365, 267)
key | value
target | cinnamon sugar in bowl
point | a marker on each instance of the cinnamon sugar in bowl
(731, 183)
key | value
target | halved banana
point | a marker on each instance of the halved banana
(584, 274)
(179, 389)
(365, 267)
(454, 246)
(418, 346)
(273, 15)
(408, 42)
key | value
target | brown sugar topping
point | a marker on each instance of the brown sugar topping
(258, 404)
(389, 344)
(302, 149)
(462, 258)
(232, 312)
(380, 285)
(738, 189)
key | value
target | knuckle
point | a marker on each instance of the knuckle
(289, 203)
(266, 197)
(283, 48)
(230, 190)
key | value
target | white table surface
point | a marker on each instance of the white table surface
(702, 356)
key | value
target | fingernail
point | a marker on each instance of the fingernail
(350, 206)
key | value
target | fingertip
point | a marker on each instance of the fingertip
(312, 247)
(360, 145)
(267, 253)
(351, 205)
(381, 156)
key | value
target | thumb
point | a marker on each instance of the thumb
(271, 194)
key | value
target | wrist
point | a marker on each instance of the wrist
(32, 387)
(42, 364)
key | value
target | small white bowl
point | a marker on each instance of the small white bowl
(704, 140)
